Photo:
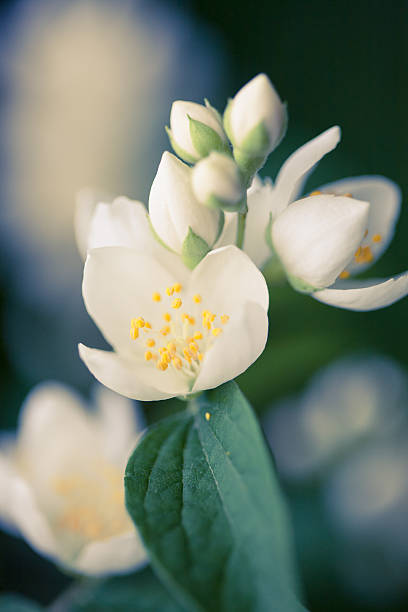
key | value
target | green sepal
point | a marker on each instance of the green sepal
(248, 165)
(227, 120)
(205, 139)
(257, 142)
(178, 150)
(221, 222)
(300, 285)
(194, 249)
(218, 204)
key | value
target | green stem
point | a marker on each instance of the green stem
(241, 229)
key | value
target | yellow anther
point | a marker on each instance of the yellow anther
(197, 298)
(177, 287)
(167, 317)
(198, 336)
(176, 303)
(187, 354)
(172, 348)
(148, 325)
(344, 274)
(150, 342)
(377, 238)
(134, 333)
(186, 317)
(169, 291)
(176, 361)
(148, 355)
(365, 255)
(139, 322)
(162, 349)
(165, 330)
(165, 358)
(224, 319)
(216, 331)
(161, 365)
(357, 253)
(347, 195)
(207, 416)
(200, 356)
(193, 347)
(316, 192)
(156, 297)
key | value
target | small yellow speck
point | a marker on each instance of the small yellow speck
(148, 355)
(198, 335)
(224, 319)
(134, 333)
(377, 238)
(197, 298)
(161, 365)
(156, 297)
(176, 361)
(167, 317)
(148, 325)
(200, 356)
(216, 331)
(176, 303)
(139, 322)
(177, 287)
(150, 342)
(344, 274)
(314, 193)
(169, 290)
(165, 330)
(207, 416)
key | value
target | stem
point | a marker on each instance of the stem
(241, 229)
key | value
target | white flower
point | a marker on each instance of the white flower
(352, 400)
(174, 210)
(173, 333)
(217, 182)
(195, 130)
(316, 237)
(61, 480)
(255, 119)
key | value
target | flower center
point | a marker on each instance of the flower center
(184, 338)
(93, 505)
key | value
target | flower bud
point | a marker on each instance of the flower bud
(182, 223)
(255, 121)
(217, 183)
(195, 130)
(316, 237)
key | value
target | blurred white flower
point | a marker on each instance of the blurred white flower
(61, 480)
(351, 400)
(83, 107)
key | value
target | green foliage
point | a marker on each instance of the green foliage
(201, 488)
(205, 139)
(15, 603)
(194, 249)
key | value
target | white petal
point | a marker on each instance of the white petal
(86, 202)
(240, 344)
(384, 197)
(261, 205)
(118, 285)
(295, 170)
(229, 279)
(316, 237)
(365, 294)
(126, 223)
(7, 475)
(116, 555)
(137, 381)
(229, 231)
(180, 125)
(120, 422)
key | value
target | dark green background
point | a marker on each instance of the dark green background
(335, 63)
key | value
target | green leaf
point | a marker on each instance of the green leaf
(139, 592)
(193, 250)
(9, 602)
(202, 490)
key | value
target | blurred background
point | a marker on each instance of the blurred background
(85, 91)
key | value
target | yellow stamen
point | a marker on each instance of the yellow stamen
(198, 336)
(161, 366)
(148, 355)
(377, 238)
(197, 298)
(200, 356)
(169, 291)
(187, 354)
(150, 342)
(176, 303)
(344, 274)
(316, 192)
(224, 319)
(148, 325)
(156, 297)
(165, 330)
(176, 361)
(177, 287)
(134, 333)
(216, 331)
(172, 348)
(165, 358)
(357, 253)
(193, 347)
(139, 322)
(167, 317)
(364, 256)
(207, 416)
(347, 195)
